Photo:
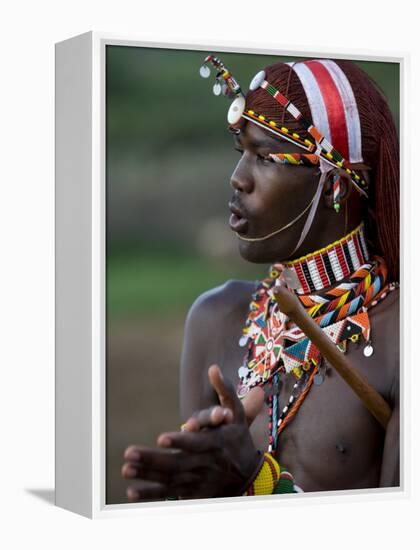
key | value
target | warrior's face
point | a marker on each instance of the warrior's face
(268, 196)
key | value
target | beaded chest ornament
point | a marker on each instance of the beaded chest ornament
(275, 346)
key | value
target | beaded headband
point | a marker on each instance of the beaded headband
(297, 159)
(333, 109)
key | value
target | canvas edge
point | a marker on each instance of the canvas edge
(99, 42)
(73, 271)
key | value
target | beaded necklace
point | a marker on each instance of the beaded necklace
(276, 347)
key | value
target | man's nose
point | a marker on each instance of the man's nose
(241, 179)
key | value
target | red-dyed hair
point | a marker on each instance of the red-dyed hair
(380, 147)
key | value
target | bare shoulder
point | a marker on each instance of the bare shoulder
(385, 331)
(221, 301)
(388, 310)
(385, 322)
(215, 316)
(212, 329)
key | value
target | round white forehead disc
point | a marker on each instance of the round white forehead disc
(257, 80)
(204, 71)
(236, 109)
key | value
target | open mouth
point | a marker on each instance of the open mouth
(237, 221)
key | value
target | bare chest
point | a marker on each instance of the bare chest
(332, 442)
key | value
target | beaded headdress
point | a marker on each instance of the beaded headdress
(335, 126)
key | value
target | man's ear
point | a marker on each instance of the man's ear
(344, 184)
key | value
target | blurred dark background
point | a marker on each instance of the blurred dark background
(168, 163)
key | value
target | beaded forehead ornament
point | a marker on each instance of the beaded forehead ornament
(333, 108)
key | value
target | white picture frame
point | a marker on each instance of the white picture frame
(80, 276)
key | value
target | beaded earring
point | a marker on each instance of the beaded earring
(336, 192)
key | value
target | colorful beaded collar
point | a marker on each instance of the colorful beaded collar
(329, 265)
(352, 282)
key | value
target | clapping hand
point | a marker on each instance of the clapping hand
(213, 456)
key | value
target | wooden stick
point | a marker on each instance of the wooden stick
(373, 401)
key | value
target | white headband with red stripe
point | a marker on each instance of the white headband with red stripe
(333, 105)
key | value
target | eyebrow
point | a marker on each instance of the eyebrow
(274, 145)
(258, 143)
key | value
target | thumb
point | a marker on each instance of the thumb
(253, 403)
(226, 393)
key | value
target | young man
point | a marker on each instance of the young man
(315, 194)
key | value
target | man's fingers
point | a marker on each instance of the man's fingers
(253, 403)
(208, 418)
(197, 442)
(172, 460)
(185, 485)
(214, 416)
(165, 477)
(191, 425)
(226, 392)
(146, 491)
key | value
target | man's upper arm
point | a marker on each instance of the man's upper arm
(390, 471)
(198, 353)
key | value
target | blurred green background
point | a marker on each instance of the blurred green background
(168, 163)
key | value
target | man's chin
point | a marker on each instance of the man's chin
(258, 252)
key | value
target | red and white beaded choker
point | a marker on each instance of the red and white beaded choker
(329, 265)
